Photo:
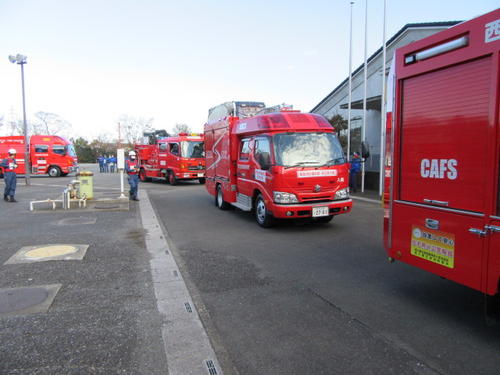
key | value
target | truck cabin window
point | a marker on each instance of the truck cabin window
(41, 148)
(307, 149)
(59, 149)
(174, 148)
(245, 150)
(263, 152)
(192, 149)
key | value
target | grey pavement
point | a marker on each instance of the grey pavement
(320, 299)
(103, 319)
(299, 298)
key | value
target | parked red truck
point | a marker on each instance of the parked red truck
(49, 154)
(173, 159)
(443, 155)
(280, 165)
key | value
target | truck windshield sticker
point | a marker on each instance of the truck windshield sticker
(439, 168)
(242, 126)
(434, 246)
(492, 31)
(260, 175)
(317, 173)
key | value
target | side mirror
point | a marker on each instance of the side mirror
(365, 150)
(264, 161)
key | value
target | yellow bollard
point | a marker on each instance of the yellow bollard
(86, 188)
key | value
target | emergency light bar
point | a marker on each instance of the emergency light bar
(437, 50)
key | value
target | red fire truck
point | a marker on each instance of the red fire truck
(173, 159)
(49, 154)
(280, 165)
(442, 155)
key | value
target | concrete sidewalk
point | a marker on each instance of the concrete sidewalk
(103, 318)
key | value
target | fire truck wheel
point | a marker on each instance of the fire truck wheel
(219, 200)
(143, 176)
(172, 179)
(324, 219)
(54, 171)
(201, 180)
(264, 219)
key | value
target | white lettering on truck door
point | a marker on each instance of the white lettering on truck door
(439, 168)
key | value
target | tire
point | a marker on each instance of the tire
(324, 219)
(172, 179)
(202, 180)
(219, 199)
(263, 218)
(142, 175)
(54, 171)
(64, 174)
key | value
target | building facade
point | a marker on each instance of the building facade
(336, 103)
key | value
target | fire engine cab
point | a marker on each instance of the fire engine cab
(443, 154)
(173, 158)
(49, 154)
(280, 165)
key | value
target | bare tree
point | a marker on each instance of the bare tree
(133, 128)
(51, 123)
(181, 128)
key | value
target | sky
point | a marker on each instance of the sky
(93, 61)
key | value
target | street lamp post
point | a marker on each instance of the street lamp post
(21, 60)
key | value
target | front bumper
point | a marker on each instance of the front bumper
(300, 210)
(190, 175)
(71, 169)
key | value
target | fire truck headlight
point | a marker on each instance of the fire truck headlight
(342, 194)
(281, 197)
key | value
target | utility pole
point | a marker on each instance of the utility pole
(21, 60)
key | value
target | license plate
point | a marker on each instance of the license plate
(320, 211)
(200, 174)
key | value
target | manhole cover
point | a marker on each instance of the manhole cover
(20, 299)
(51, 251)
(77, 221)
(106, 207)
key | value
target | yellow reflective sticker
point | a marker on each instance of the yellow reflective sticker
(434, 246)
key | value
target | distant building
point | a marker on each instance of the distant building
(337, 101)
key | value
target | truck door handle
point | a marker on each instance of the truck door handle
(493, 228)
(479, 232)
(438, 203)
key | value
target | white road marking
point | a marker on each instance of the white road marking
(186, 342)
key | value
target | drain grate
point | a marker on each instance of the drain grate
(211, 367)
(106, 207)
(188, 307)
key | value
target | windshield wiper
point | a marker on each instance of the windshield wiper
(333, 162)
(302, 164)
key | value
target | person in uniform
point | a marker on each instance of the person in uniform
(9, 166)
(132, 169)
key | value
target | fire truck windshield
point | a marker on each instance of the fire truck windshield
(70, 150)
(192, 149)
(307, 149)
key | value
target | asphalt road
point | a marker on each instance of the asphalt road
(319, 299)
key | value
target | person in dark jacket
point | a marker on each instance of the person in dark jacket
(100, 160)
(9, 166)
(354, 171)
(132, 169)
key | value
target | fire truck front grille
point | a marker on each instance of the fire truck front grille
(195, 167)
(321, 199)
